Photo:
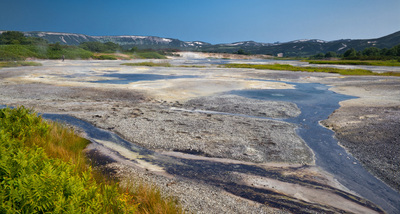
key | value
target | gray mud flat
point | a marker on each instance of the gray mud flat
(234, 104)
(223, 136)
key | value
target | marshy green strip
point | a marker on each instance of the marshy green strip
(355, 62)
(285, 67)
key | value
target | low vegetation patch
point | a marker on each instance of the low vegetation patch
(18, 64)
(356, 62)
(285, 67)
(148, 55)
(43, 170)
(105, 57)
(18, 52)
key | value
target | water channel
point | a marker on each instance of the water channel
(316, 103)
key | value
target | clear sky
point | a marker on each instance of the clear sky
(214, 21)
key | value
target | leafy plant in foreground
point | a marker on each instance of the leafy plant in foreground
(43, 170)
(33, 182)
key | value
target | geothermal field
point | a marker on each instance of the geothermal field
(229, 140)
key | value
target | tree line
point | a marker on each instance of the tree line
(370, 53)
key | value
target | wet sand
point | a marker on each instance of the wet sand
(147, 113)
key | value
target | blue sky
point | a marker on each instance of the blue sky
(214, 21)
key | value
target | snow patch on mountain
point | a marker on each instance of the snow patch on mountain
(343, 47)
(62, 39)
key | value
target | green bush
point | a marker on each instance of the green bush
(16, 37)
(21, 52)
(105, 57)
(150, 55)
(33, 182)
(43, 170)
(69, 52)
(16, 52)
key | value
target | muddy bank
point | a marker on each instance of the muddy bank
(371, 134)
(368, 126)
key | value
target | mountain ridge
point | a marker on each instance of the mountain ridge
(301, 47)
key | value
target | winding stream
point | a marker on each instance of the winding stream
(316, 103)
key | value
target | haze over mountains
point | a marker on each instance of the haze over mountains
(303, 47)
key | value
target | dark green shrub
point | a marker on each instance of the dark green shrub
(33, 182)
(16, 52)
(150, 55)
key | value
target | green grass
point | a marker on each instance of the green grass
(356, 62)
(18, 64)
(149, 55)
(285, 67)
(105, 57)
(149, 64)
(21, 52)
(70, 52)
(43, 170)
(17, 52)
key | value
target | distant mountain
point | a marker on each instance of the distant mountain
(304, 47)
(142, 42)
(151, 42)
(62, 38)
(307, 47)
